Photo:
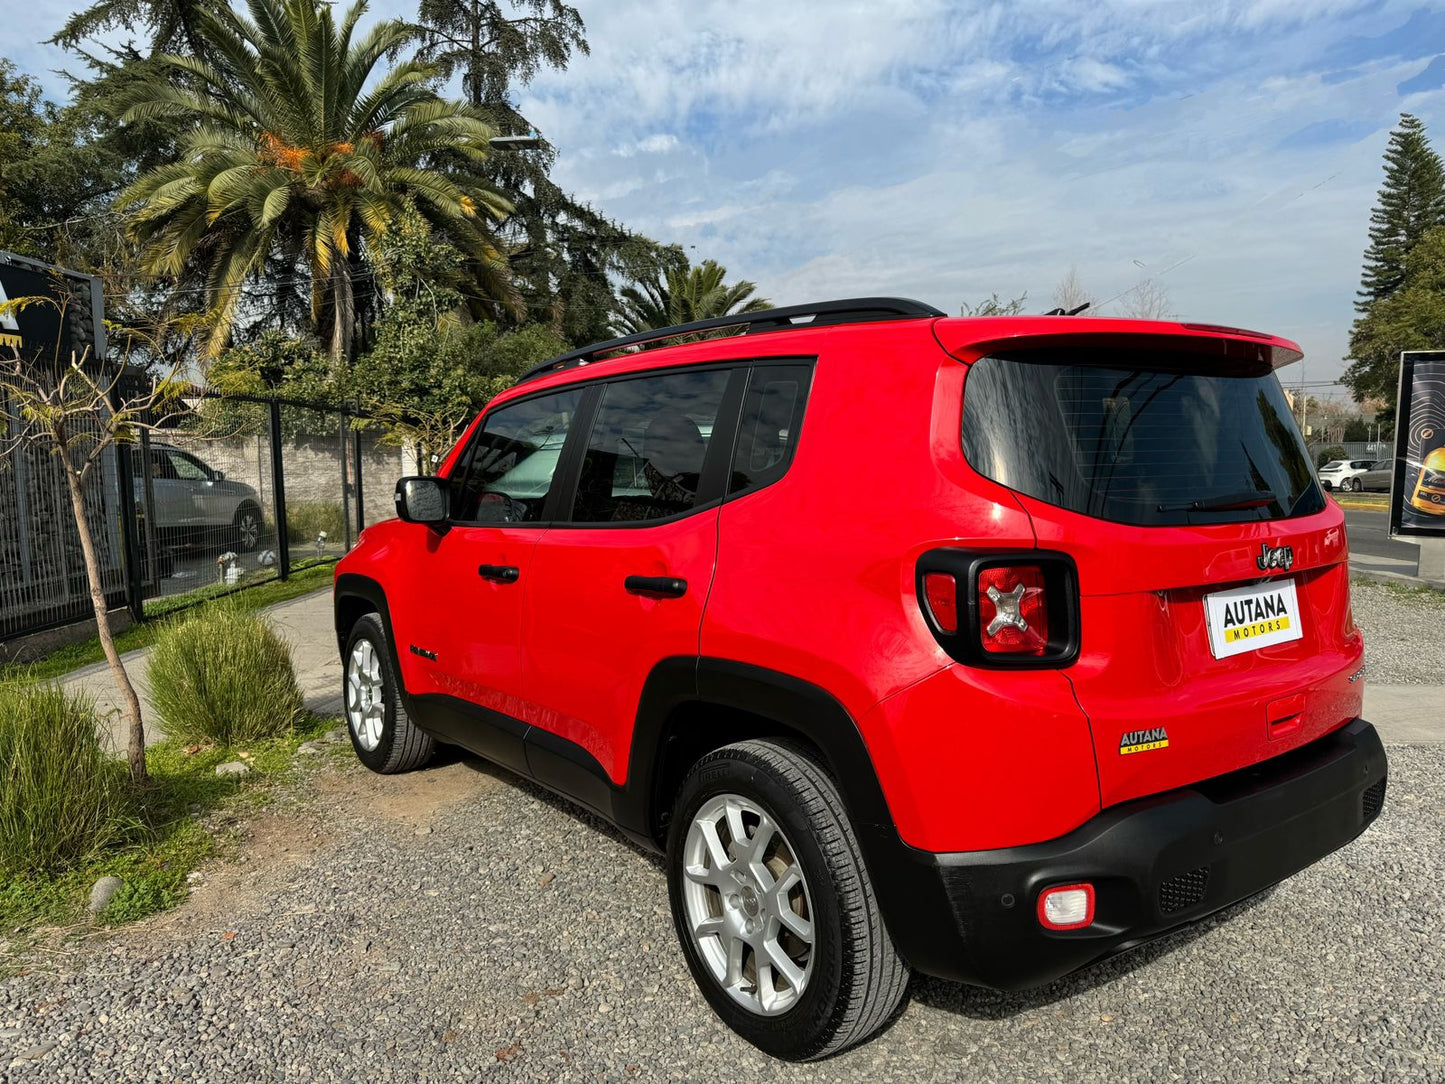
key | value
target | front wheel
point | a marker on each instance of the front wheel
(1356, 485)
(774, 907)
(382, 734)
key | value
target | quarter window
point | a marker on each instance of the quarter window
(645, 455)
(512, 461)
(772, 416)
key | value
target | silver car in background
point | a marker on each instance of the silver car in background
(195, 503)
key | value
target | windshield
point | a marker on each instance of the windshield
(1138, 438)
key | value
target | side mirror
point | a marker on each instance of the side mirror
(422, 499)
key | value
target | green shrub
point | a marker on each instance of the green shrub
(305, 519)
(1334, 451)
(62, 798)
(223, 675)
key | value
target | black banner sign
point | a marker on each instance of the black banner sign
(1417, 498)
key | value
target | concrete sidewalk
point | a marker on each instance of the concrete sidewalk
(1407, 713)
(304, 622)
(1402, 713)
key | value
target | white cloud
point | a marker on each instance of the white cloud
(656, 143)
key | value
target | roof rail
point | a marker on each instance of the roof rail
(854, 310)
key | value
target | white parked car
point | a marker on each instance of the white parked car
(1344, 473)
(195, 502)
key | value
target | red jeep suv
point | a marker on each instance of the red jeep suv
(983, 647)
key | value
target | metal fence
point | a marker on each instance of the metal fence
(244, 490)
(1354, 449)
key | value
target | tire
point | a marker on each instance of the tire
(383, 735)
(246, 527)
(852, 978)
(1356, 485)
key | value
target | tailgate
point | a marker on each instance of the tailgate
(1179, 484)
(1164, 711)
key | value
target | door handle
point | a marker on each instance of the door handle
(499, 573)
(655, 586)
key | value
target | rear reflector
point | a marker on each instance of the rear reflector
(1013, 612)
(941, 591)
(1066, 907)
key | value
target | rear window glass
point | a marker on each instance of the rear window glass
(1138, 438)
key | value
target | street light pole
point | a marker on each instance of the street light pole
(529, 142)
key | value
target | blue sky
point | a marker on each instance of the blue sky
(1230, 152)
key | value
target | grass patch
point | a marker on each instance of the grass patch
(170, 833)
(306, 576)
(306, 519)
(223, 675)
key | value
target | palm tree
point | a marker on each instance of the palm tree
(682, 296)
(299, 157)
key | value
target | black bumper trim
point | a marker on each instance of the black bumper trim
(970, 916)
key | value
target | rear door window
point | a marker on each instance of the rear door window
(1139, 438)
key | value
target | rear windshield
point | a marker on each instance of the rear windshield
(1139, 438)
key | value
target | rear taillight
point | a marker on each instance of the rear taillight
(1013, 609)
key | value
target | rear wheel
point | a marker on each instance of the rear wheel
(773, 905)
(383, 735)
(247, 527)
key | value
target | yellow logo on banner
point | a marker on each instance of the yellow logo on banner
(1258, 628)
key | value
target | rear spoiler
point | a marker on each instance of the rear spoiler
(969, 339)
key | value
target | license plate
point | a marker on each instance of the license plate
(1249, 618)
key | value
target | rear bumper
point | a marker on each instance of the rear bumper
(1156, 864)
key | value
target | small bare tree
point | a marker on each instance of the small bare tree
(1147, 301)
(1070, 294)
(77, 409)
(992, 306)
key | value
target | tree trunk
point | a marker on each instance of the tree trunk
(473, 80)
(136, 746)
(343, 305)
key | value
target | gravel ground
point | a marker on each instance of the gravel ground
(456, 924)
(1404, 633)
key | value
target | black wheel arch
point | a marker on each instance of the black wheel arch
(691, 706)
(353, 595)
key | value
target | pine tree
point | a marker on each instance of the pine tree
(1410, 203)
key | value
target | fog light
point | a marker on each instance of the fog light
(1066, 907)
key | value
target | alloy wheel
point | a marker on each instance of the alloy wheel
(365, 695)
(248, 530)
(748, 907)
